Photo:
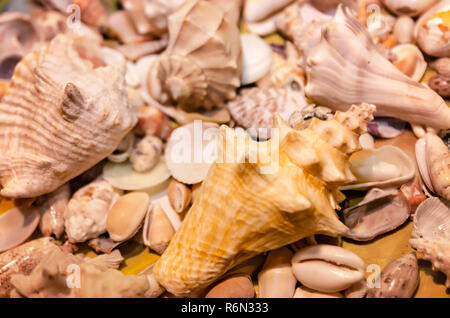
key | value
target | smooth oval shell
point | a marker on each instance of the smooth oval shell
(256, 58)
(404, 29)
(386, 127)
(327, 268)
(382, 167)
(16, 225)
(126, 215)
(410, 54)
(409, 7)
(421, 159)
(305, 292)
(276, 279)
(237, 286)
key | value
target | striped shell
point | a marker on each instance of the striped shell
(202, 64)
(58, 118)
(287, 194)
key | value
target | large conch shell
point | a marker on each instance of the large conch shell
(201, 67)
(347, 63)
(290, 193)
(59, 117)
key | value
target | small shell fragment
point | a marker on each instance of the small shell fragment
(126, 215)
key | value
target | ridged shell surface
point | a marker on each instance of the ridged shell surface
(59, 118)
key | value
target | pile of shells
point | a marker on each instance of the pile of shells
(241, 146)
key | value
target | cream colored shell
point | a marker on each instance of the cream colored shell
(58, 118)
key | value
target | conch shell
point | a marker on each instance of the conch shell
(59, 117)
(201, 66)
(347, 63)
(288, 194)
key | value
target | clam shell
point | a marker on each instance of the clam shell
(80, 134)
(276, 279)
(126, 215)
(382, 167)
(410, 54)
(263, 206)
(327, 268)
(16, 225)
(379, 212)
(256, 58)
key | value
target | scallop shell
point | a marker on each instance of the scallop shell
(382, 167)
(347, 63)
(59, 85)
(431, 234)
(254, 108)
(268, 203)
(202, 64)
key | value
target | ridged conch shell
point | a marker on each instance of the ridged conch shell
(268, 203)
(433, 160)
(431, 234)
(433, 30)
(201, 66)
(327, 268)
(347, 63)
(88, 110)
(409, 7)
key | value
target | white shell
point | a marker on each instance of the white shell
(421, 158)
(256, 58)
(404, 51)
(409, 7)
(16, 225)
(404, 29)
(382, 167)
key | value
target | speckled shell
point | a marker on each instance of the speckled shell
(58, 118)
(201, 67)
(347, 63)
(265, 205)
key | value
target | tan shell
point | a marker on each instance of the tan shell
(327, 268)
(257, 10)
(236, 286)
(179, 196)
(267, 204)
(305, 292)
(87, 124)
(347, 62)
(404, 29)
(410, 61)
(256, 58)
(276, 279)
(158, 230)
(126, 215)
(201, 66)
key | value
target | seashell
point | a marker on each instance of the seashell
(440, 84)
(152, 121)
(237, 286)
(191, 150)
(383, 167)
(60, 5)
(431, 234)
(50, 278)
(120, 23)
(414, 194)
(327, 268)
(135, 51)
(347, 63)
(399, 279)
(105, 261)
(126, 215)
(257, 10)
(407, 7)
(232, 8)
(256, 58)
(255, 108)
(3, 87)
(380, 212)
(357, 290)
(276, 279)
(442, 66)
(185, 74)
(67, 95)
(93, 12)
(86, 212)
(158, 11)
(103, 244)
(249, 267)
(404, 29)
(16, 225)
(145, 154)
(158, 230)
(261, 198)
(22, 260)
(386, 127)
(123, 176)
(367, 141)
(380, 27)
(135, 10)
(51, 208)
(433, 159)
(432, 30)
(122, 152)
(179, 196)
(305, 292)
(410, 61)
(264, 27)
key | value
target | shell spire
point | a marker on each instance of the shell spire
(60, 116)
(283, 191)
(202, 64)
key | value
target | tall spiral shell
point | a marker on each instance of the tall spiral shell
(284, 190)
(58, 118)
(201, 66)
